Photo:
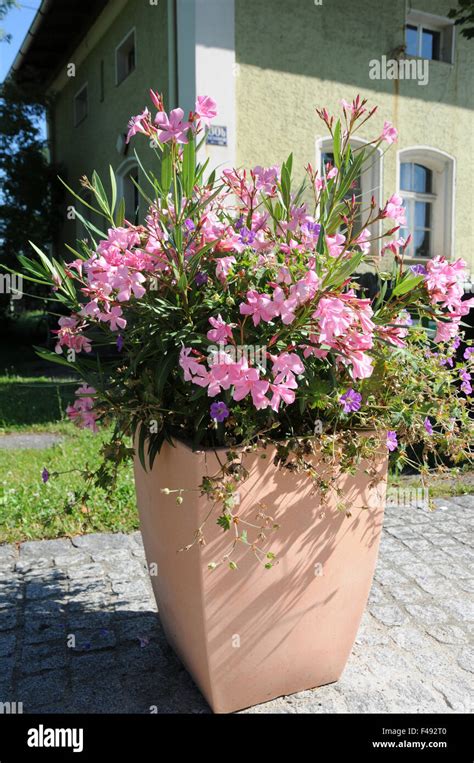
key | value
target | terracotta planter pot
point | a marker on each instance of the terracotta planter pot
(249, 635)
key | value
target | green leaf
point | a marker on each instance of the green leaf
(225, 521)
(407, 284)
(113, 185)
(189, 166)
(120, 214)
(166, 171)
(337, 144)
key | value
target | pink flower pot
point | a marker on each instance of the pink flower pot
(249, 635)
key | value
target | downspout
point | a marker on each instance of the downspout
(173, 84)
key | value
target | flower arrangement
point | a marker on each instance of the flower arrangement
(233, 317)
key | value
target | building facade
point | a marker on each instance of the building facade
(268, 64)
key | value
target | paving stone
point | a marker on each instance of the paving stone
(448, 634)
(46, 591)
(427, 614)
(7, 644)
(101, 542)
(131, 590)
(91, 639)
(42, 657)
(80, 572)
(114, 555)
(38, 691)
(466, 659)
(7, 553)
(8, 619)
(388, 614)
(44, 549)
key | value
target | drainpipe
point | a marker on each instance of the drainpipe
(172, 55)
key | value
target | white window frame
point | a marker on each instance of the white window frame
(131, 32)
(442, 198)
(433, 23)
(77, 121)
(371, 179)
(121, 174)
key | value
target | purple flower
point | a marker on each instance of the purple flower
(392, 442)
(466, 381)
(189, 225)
(419, 270)
(468, 352)
(311, 227)
(350, 401)
(247, 236)
(45, 475)
(201, 278)
(456, 342)
(120, 343)
(428, 426)
(239, 223)
(219, 412)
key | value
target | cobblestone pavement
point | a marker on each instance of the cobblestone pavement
(411, 655)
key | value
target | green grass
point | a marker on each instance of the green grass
(30, 509)
(34, 402)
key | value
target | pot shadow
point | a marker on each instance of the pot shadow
(317, 535)
(62, 655)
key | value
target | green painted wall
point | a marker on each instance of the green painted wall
(91, 145)
(294, 55)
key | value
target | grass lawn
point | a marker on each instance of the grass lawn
(30, 509)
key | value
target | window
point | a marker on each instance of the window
(80, 105)
(416, 186)
(127, 176)
(366, 185)
(426, 184)
(125, 58)
(429, 36)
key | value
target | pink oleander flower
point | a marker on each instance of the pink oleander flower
(395, 210)
(389, 133)
(259, 306)
(140, 123)
(172, 127)
(335, 244)
(285, 364)
(266, 179)
(206, 109)
(70, 335)
(220, 331)
(190, 366)
(224, 266)
(114, 317)
(363, 241)
(283, 307)
(81, 412)
(283, 392)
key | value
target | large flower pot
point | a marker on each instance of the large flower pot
(252, 634)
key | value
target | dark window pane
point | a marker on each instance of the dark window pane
(422, 214)
(421, 240)
(411, 40)
(430, 44)
(423, 178)
(406, 183)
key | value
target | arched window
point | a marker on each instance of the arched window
(366, 185)
(426, 183)
(127, 177)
